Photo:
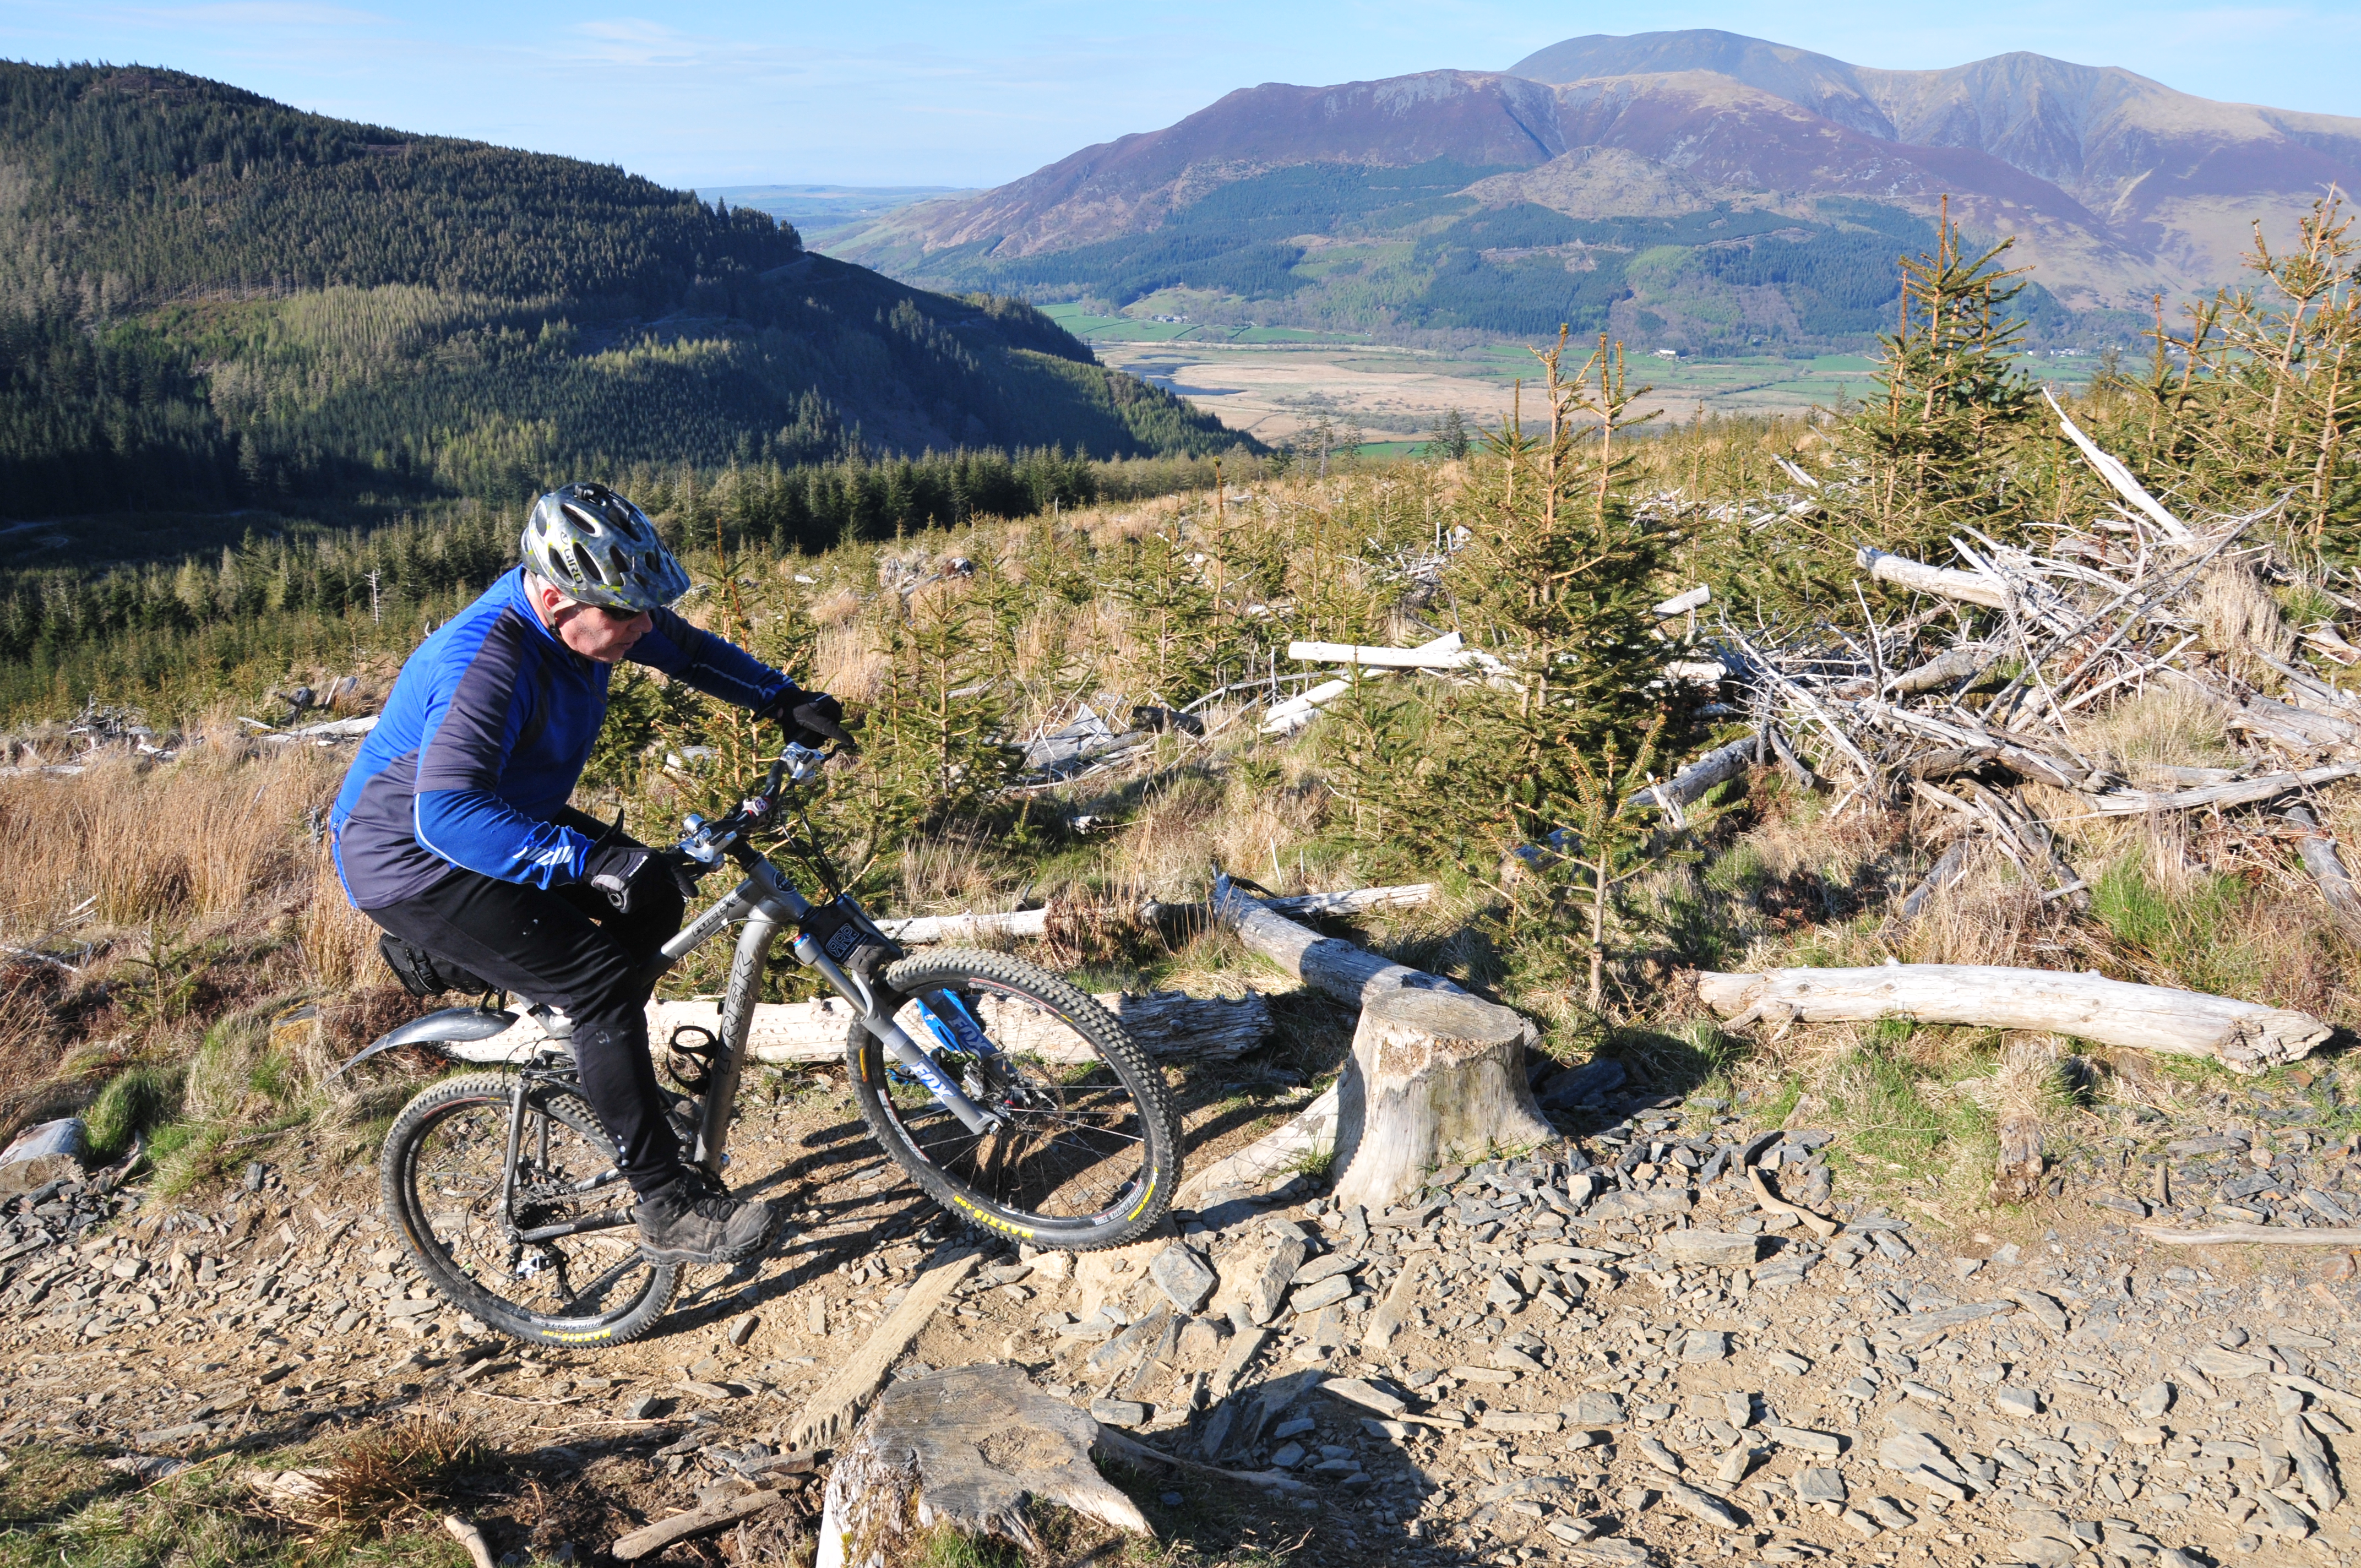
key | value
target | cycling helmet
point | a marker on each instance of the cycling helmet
(600, 549)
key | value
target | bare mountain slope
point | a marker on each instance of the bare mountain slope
(1469, 199)
(2173, 177)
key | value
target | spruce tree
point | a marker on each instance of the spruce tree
(1936, 439)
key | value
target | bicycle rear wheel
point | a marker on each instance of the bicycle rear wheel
(442, 1175)
(1088, 1153)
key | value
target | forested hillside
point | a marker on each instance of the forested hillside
(208, 300)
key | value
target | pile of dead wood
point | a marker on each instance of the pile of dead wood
(1910, 708)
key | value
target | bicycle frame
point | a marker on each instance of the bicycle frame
(767, 904)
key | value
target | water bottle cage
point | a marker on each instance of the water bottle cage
(689, 1061)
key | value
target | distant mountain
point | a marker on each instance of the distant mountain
(207, 298)
(1694, 188)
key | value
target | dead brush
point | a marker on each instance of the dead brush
(376, 1479)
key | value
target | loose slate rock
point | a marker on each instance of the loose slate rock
(1184, 1278)
(1820, 1483)
(1705, 1505)
(1719, 1249)
(1597, 1409)
(1705, 1345)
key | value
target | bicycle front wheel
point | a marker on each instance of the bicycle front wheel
(1088, 1151)
(557, 1261)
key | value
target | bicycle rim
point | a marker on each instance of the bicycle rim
(590, 1287)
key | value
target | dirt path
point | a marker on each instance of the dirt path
(1557, 1382)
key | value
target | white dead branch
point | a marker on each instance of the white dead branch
(2245, 1036)
(1165, 1023)
(2112, 470)
(1967, 587)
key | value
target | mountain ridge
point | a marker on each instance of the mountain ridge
(2114, 186)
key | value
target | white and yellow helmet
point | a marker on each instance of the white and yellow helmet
(597, 547)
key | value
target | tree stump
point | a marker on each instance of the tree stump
(2017, 1175)
(968, 1449)
(1442, 1077)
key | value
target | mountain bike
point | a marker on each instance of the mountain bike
(1008, 1095)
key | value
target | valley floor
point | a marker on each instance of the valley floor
(1272, 392)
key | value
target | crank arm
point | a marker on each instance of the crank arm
(608, 1221)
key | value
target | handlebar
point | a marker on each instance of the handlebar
(705, 842)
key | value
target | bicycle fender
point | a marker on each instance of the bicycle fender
(436, 1028)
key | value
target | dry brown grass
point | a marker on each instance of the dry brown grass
(2172, 725)
(378, 1479)
(218, 834)
(848, 659)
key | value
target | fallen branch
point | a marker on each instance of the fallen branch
(1818, 1224)
(1168, 1023)
(1969, 587)
(2320, 859)
(696, 1521)
(2111, 469)
(2245, 1036)
(2246, 792)
(2280, 1235)
(1687, 787)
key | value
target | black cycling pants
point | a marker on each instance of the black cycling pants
(566, 948)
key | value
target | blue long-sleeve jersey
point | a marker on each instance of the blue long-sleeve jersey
(489, 727)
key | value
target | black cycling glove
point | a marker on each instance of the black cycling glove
(811, 718)
(625, 872)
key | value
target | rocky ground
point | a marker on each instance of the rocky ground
(1609, 1349)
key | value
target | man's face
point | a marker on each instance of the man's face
(593, 630)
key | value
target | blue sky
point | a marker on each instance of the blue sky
(961, 93)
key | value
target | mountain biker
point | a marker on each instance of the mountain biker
(452, 830)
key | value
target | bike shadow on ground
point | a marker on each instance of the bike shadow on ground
(849, 1226)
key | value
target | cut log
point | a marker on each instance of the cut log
(2269, 1235)
(1445, 652)
(1969, 587)
(966, 1450)
(922, 930)
(849, 1386)
(54, 1151)
(1442, 1079)
(1688, 785)
(1326, 964)
(1357, 901)
(2017, 1175)
(1165, 1024)
(2245, 1036)
(2320, 859)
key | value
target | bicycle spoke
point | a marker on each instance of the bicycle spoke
(564, 1175)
